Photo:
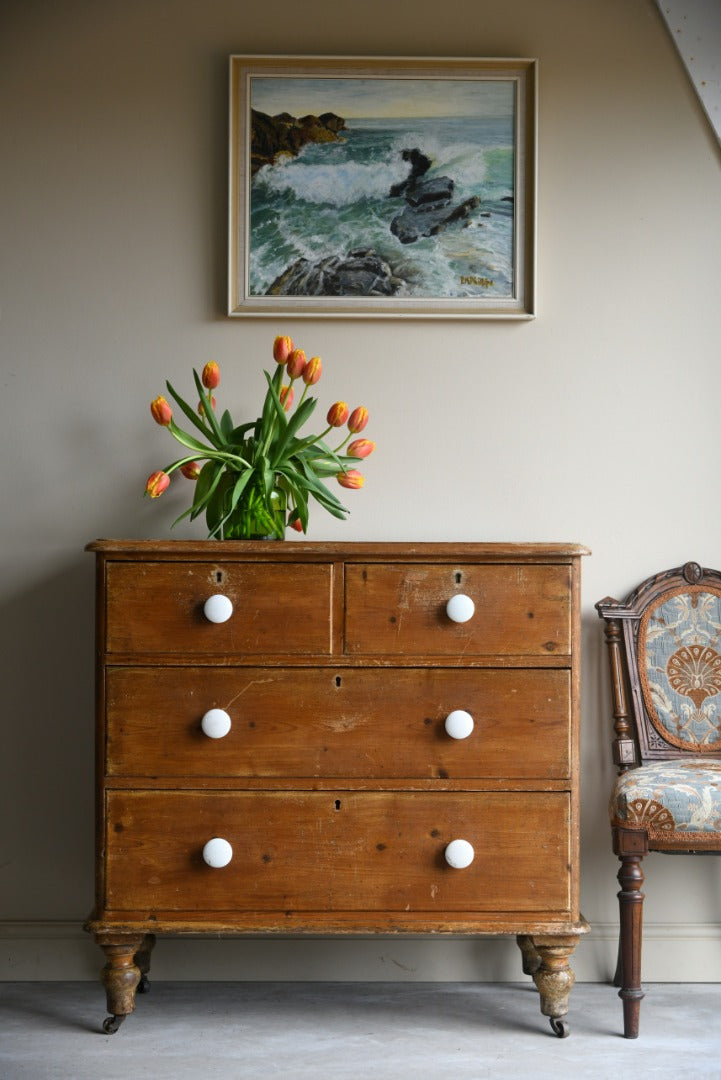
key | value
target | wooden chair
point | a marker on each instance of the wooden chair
(664, 644)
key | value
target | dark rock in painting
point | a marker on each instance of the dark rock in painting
(274, 136)
(438, 191)
(430, 219)
(429, 208)
(420, 164)
(359, 273)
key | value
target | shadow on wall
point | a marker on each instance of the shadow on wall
(48, 746)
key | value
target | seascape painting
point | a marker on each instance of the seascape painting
(381, 190)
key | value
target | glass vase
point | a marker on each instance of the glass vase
(258, 516)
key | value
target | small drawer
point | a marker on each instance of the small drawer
(337, 722)
(337, 851)
(402, 609)
(159, 607)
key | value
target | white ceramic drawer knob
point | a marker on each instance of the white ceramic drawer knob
(215, 723)
(459, 854)
(218, 608)
(460, 608)
(459, 724)
(217, 852)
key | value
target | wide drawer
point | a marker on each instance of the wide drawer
(337, 851)
(333, 722)
(401, 609)
(157, 607)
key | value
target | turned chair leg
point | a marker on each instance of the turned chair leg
(630, 900)
(618, 974)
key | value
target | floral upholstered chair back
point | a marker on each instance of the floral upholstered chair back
(665, 649)
(679, 655)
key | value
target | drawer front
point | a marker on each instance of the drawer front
(337, 851)
(396, 609)
(277, 608)
(310, 722)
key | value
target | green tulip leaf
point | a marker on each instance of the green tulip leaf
(186, 440)
(191, 415)
(226, 426)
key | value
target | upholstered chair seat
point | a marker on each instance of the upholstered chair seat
(676, 803)
(664, 645)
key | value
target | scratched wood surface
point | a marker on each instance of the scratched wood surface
(342, 722)
(397, 609)
(337, 851)
(157, 607)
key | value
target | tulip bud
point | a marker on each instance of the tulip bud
(191, 471)
(282, 348)
(157, 484)
(313, 370)
(201, 406)
(358, 419)
(286, 397)
(337, 414)
(296, 524)
(350, 479)
(296, 362)
(211, 375)
(361, 448)
(162, 413)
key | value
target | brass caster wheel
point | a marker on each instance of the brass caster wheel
(112, 1023)
(559, 1028)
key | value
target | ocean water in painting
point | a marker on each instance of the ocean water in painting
(334, 198)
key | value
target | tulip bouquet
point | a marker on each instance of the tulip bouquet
(253, 480)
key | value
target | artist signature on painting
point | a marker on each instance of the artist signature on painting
(471, 279)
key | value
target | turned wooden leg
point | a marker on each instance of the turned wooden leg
(142, 962)
(630, 901)
(618, 974)
(554, 977)
(120, 976)
(630, 845)
(531, 961)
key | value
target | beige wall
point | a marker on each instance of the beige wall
(597, 422)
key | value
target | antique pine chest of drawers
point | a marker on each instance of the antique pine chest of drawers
(299, 737)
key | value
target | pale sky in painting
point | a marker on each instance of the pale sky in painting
(362, 97)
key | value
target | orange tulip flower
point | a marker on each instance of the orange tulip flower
(337, 414)
(162, 413)
(361, 448)
(358, 419)
(211, 375)
(351, 479)
(313, 371)
(157, 484)
(295, 365)
(282, 348)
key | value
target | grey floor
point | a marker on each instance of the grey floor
(345, 1031)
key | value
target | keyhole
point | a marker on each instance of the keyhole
(459, 576)
(338, 680)
(337, 804)
(219, 575)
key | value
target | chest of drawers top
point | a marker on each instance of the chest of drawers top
(345, 602)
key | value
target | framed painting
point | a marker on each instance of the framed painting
(382, 187)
